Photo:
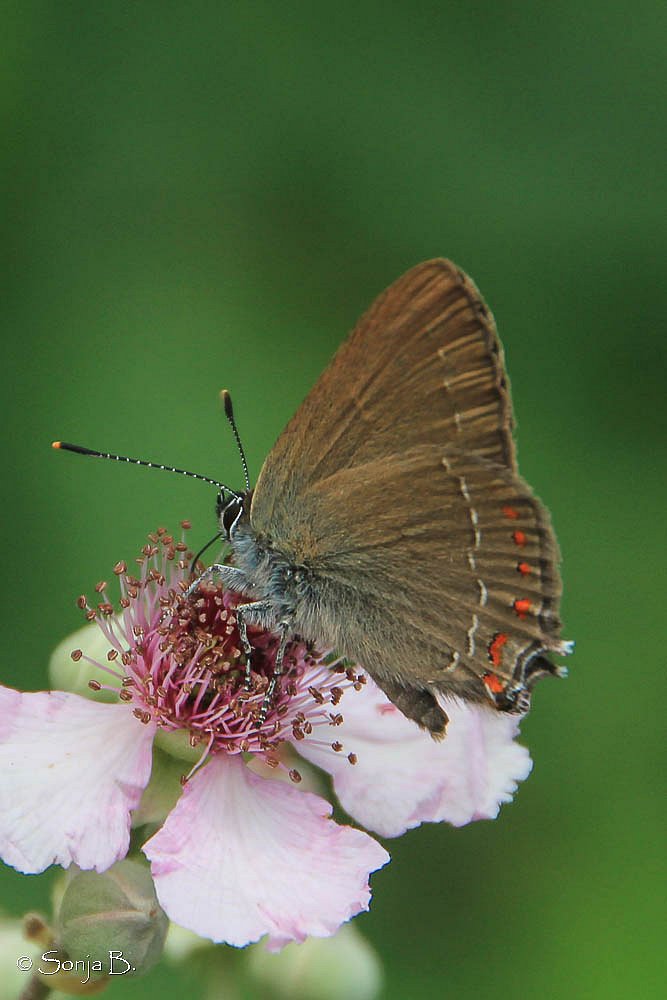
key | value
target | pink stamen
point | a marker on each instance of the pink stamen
(183, 666)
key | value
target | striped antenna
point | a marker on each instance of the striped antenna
(229, 413)
(79, 450)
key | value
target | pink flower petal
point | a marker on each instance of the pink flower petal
(242, 856)
(403, 777)
(70, 772)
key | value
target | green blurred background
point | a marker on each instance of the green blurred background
(208, 194)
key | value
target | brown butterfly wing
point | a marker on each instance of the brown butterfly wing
(426, 557)
(422, 365)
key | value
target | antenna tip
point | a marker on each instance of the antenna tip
(57, 444)
(227, 403)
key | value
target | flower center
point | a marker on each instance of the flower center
(185, 669)
(194, 673)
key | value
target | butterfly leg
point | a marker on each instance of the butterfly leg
(284, 628)
(230, 577)
(261, 612)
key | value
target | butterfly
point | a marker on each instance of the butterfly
(389, 521)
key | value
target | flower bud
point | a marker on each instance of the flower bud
(182, 944)
(113, 920)
(17, 958)
(344, 965)
(72, 674)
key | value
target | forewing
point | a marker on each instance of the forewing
(422, 366)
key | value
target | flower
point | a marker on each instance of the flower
(245, 852)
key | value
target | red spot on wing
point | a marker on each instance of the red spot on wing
(521, 606)
(523, 568)
(496, 648)
(511, 512)
(493, 683)
(519, 537)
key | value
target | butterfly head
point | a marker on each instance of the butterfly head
(229, 511)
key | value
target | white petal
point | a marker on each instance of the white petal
(403, 777)
(70, 772)
(242, 856)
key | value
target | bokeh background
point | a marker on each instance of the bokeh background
(208, 194)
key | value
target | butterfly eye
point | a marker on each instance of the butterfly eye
(230, 514)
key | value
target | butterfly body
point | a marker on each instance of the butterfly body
(389, 521)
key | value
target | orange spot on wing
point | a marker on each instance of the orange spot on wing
(493, 683)
(519, 538)
(496, 647)
(511, 512)
(523, 568)
(521, 606)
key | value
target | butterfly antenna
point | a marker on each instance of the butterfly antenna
(79, 450)
(229, 413)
